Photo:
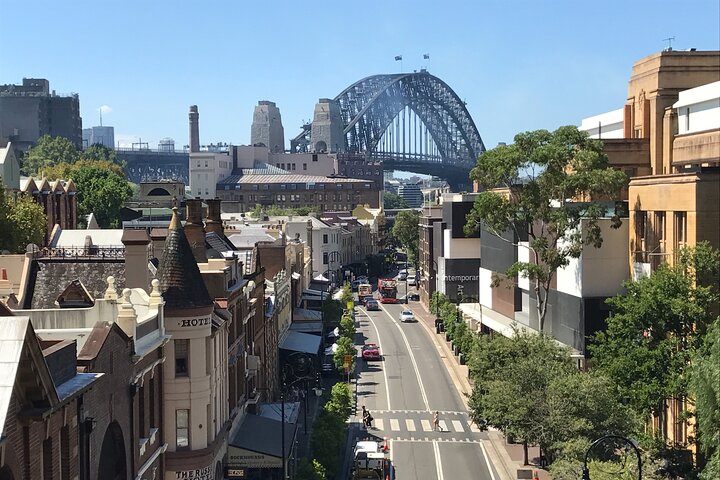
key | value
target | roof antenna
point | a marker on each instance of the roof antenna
(669, 40)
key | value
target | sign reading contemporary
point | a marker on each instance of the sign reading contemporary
(453, 272)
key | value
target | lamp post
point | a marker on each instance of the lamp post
(627, 441)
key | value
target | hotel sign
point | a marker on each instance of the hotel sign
(193, 323)
(242, 458)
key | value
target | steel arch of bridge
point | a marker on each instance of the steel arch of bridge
(368, 107)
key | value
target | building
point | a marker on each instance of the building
(267, 129)
(31, 110)
(411, 193)
(57, 198)
(430, 220)
(98, 136)
(324, 242)
(240, 193)
(9, 167)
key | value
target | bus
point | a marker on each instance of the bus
(388, 290)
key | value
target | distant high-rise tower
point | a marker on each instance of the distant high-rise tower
(267, 128)
(194, 129)
(102, 135)
(327, 127)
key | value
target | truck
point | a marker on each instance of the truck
(370, 461)
(364, 291)
(388, 290)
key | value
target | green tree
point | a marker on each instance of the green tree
(65, 171)
(649, 341)
(511, 391)
(345, 347)
(258, 211)
(48, 151)
(327, 440)
(705, 386)
(100, 189)
(347, 326)
(407, 231)
(98, 151)
(562, 167)
(393, 200)
(6, 230)
(27, 222)
(332, 311)
(340, 400)
(310, 470)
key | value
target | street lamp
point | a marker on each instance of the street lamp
(627, 441)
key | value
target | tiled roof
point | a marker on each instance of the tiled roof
(288, 178)
(50, 277)
(181, 283)
(260, 168)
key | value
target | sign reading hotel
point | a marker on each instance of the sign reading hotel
(192, 323)
(239, 458)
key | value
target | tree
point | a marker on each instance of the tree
(327, 439)
(567, 174)
(48, 151)
(98, 151)
(347, 326)
(101, 189)
(332, 310)
(393, 200)
(511, 387)
(656, 326)
(340, 400)
(65, 171)
(705, 386)
(406, 231)
(310, 470)
(345, 347)
(28, 223)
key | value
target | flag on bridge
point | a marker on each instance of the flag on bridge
(426, 56)
(398, 58)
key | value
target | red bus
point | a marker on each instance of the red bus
(387, 287)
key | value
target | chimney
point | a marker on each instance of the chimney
(194, 230)
(138, 248)
(310, 246)
(213, 222)
(194, 129)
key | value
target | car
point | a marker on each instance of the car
(372, 304)
(413, 296)
(412, 281)
(370, 351)
(402, 275)
(407, 316)
(355, 284)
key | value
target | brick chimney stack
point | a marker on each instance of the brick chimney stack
(194, 129)
(194, 229)
(213, 222)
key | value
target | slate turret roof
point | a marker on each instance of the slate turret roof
(181, 283)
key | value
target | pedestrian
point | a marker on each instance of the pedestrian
(364, 416)
(436, 421)
(369, 420)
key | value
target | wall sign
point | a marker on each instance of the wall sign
(193, 322)
(204, 473)
(241, 458)
(455, 272)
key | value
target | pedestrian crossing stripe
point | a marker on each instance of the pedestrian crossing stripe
(457, 426)
(454, 426)
(440, 440)
(443, 426)
(378, 423)
(394, 425)
(410, 425)
(425, 425)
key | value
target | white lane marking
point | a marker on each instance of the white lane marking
(378, 423)
(458, 426)
(394, 425)
(438, 462)
(410, 424)
(473, 427)
(377, 334)
(426, 425)
(487, 461)
(412, 357)
(443, 426)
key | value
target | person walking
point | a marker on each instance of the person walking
(368, 420)
(436, 421)
(364, 416)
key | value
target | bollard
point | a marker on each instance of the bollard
(461, 359)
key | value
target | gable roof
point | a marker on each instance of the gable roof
(181, 283)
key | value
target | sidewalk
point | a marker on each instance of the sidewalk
(506, 458)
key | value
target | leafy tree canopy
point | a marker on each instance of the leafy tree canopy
(656, 326)
(22, 221)
(393, 200)
(705, 386)
(566, 174)
(346, 346)
(47, 152)
(406, 231)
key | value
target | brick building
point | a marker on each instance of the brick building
(57, 198)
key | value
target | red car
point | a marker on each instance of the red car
(371, 352)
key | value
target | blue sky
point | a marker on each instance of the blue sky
(519, 65)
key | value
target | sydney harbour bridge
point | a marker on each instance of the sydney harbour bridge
(411, 121)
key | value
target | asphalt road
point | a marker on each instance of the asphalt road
(404, 389)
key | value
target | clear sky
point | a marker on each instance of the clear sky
(519, 65)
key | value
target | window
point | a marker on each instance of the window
(293, 166)
(47, 454)
(153, 393)
(141, 411)
(314, 157)
(304, 166)
(293, 186)
(325, 238)
(181, 357)
(283, 186)
(65, 453)
(265, 186)
(325, 258)
(182, 431)
(338, 186)
(206, 163)
(687, 119)
(660, 230)
(680, 229)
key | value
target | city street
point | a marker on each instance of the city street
(404, 389)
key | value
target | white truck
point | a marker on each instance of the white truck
(370, 460)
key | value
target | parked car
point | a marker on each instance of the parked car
(370, 351)
(402, 275)
(413, 296)
(372, 304)
(407, 316)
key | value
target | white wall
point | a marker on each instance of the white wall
(206, 169)
(485, 287)
(698, 108)
(523, 256)
(460, 247)
(605, 125)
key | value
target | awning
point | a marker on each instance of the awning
(321, 278)
(301, 342)
(256, 444)
(305, 315)
(307, 327)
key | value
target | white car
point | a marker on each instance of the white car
(407, 316)
(412, 281)
(402, 275)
